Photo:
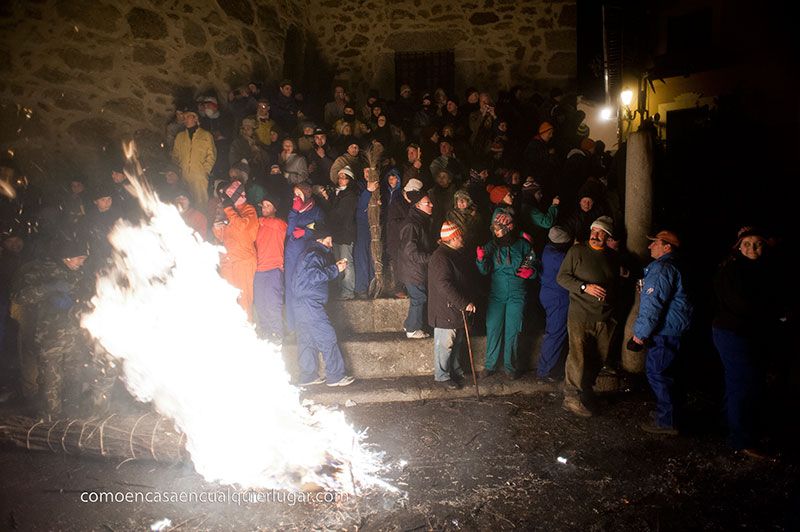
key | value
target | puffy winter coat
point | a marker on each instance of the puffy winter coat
(395, 217)
(415, 247)
(341, 215)
(315, 269)
(449, 285)
(664, 308)
(552, 257)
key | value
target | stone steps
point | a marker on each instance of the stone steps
(385, 355)
(421, 388)
(368, 315)
(390, 367)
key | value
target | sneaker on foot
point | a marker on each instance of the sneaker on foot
(652, 428)
(417, 335)
(318, 380)
(344, 381)
(574, 405)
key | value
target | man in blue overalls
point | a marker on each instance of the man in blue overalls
(315, 269)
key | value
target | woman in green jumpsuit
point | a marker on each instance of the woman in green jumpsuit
(508, 258)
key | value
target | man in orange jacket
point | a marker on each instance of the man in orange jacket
(238, 265)
(268, 284)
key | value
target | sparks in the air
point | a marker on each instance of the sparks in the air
(185, 345)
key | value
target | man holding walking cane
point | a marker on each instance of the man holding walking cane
(449, 297)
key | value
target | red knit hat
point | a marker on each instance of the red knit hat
(449, 231)
(497, 193)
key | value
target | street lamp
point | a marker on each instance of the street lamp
(627, 115)
(626, 97)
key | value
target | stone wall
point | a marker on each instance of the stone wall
(78, 75)
(497, 43)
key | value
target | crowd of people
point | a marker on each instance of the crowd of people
(461, 205)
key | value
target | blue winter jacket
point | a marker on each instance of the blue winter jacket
(664, 308)
(296, 246)
(314, 270)
(552, 257)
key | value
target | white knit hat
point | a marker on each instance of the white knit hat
(604, 223)
(413, 184)
(347, 171)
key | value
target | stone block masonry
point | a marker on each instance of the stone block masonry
(92, 72)
(77, 76)
(497, 43)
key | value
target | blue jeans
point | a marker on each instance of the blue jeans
(347, 283)
(418, 295)
(448, 346)
(659, 368)
(743, 380)
(268, 300)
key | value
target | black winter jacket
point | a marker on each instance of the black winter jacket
(341, 215)
(449, 282)
(415, 247)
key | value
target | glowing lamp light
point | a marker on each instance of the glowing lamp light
(605, 114)
(626, 97)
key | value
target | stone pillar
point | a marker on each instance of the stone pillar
(638, 221)
(639, 193)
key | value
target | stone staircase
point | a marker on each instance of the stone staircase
(390, 367)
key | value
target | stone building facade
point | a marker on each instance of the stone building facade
(77, 76)
(496, 43)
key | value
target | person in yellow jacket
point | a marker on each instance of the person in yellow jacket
(194, 151)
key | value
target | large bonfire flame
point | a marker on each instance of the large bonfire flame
(185, 344)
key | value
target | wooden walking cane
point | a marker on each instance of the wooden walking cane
(471, 358)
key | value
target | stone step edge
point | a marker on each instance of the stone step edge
(423, 388)
(375, 337)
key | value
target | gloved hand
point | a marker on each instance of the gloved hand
(61, 301)
(527, 237)
(525, 273)
(225, 201)
(634, 346)
(298, 232)
(480, 253)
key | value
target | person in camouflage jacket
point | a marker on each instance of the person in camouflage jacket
(67, 363)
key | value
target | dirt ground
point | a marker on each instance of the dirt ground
(460, 465)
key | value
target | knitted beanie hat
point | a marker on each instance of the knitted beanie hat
(605, 224)
(497, 193)
(449, 231)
